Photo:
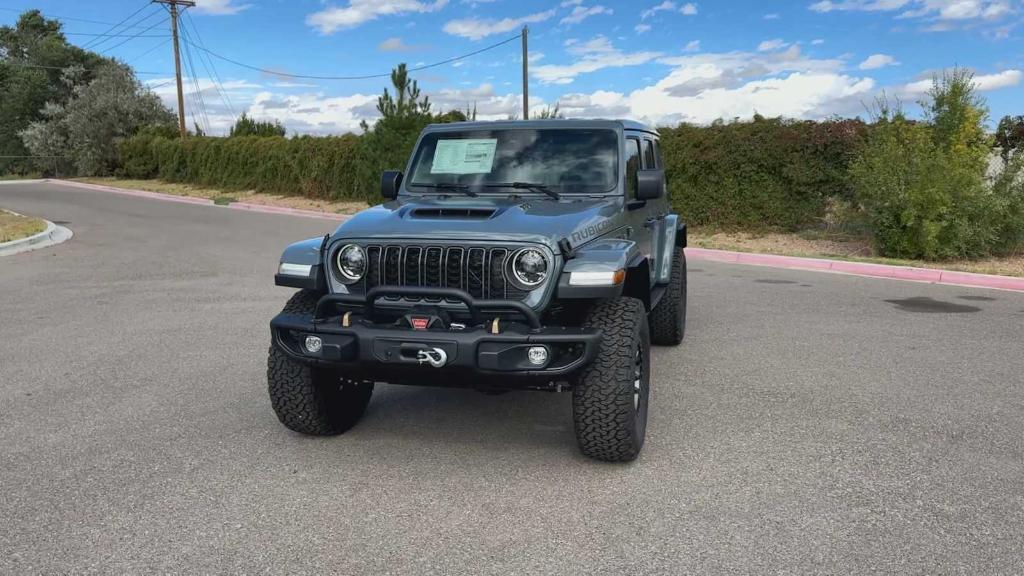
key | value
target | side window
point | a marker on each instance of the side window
(657, 154)
(632, 166)
(649, 162)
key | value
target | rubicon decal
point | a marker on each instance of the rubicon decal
(590, 231)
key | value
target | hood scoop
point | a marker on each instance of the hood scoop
(453, 213)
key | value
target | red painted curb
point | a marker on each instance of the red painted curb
(289, 211)
(138, 193)
(930, 275)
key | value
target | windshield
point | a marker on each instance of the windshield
(566, 161)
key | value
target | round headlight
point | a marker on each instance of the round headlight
(529, 267)
(351, 263)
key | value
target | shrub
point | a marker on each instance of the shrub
(768, 173)
(923, 185)
(246, 126)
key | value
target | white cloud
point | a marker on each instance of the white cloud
(219, 7)
(664, 6)
(1003, 79)
(595, 54)
(692, 46)
(314, 113)
(951, 10)
(293, 85)
(642, 28)
(359, 11)
(817, 42)
(876, 61)
(983, 82)
(771, 45)
(476, 28)
(395, 45)
(702, 88)
(689, 9)
(581, 13)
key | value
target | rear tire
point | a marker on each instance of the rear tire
(668, 319)
(610, 396)
(311, 400)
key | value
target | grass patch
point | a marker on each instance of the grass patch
(223, 197)
(15, 226)
(839, 246)
(20, 176)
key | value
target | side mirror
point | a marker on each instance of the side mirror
(650, 184)
(390, 183)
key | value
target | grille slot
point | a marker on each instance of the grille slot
(478, 270)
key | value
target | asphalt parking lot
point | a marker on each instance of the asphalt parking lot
(810, 423)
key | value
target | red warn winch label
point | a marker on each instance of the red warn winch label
(419, 323)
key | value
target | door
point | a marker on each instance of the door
(637, 210)
(656, 210)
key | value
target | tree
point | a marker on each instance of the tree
(37, 66)
(957, 114)
(246, 126)
(550, 113)
(1009, 136)
(97, 117)
(387, 144)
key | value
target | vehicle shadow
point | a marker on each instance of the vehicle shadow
(450, 415)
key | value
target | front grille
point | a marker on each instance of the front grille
(478, 270)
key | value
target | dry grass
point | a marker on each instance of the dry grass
(14, 226)
(841, 247)
(224, 197)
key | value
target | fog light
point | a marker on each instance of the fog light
(538, 355)
(314, 344)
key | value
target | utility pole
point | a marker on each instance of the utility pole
(526, 75)
(173, 4)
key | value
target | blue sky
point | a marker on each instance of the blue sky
(659, 61)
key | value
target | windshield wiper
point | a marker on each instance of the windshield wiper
(527, 186)
(449, 186)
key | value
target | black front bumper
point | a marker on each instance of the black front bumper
(353, 335)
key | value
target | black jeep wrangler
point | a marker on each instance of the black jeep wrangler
(536, 255)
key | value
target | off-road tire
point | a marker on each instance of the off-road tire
(310, 400)
(668, 319)
(609, 424)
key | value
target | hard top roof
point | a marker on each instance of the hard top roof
(546, 123)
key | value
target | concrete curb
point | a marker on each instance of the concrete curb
(247, 206)
(929, 275)
(138, 193)
(51, 236)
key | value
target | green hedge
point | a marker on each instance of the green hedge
(318, 167)
(768, 173)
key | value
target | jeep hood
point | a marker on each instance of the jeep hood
(529, 219)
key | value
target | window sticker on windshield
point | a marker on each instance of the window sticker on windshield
(468, 156)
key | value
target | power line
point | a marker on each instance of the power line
(139, 22)
(160, 45)
(86, 20)
(197, 95)
(126, 40)
(117, 35)
(365, 77)
(115, 26)
(205, 59)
